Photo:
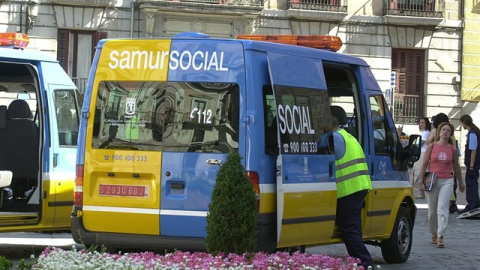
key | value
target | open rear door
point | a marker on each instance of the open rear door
(306, 191)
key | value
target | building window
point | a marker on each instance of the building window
(409, 92)
(75, 50)
(418, 8)
(321, 5)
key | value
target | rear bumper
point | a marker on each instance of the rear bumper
(134, 241)
(266, 238)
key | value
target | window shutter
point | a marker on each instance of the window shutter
(97, 36)
(409, 66)
(63, 47)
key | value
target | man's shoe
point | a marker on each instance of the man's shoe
(466, 209)
(453, 208)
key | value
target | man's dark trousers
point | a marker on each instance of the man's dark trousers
(471, 183)
(349, 223)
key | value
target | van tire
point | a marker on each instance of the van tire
(397, 248)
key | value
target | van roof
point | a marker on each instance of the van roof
(302, 50)
(19, 55)
(269, 47)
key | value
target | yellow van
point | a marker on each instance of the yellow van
(161, 115)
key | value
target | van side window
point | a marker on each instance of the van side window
(344, 99)
(270, 121)
(66, 106)
(381, 133)
(302, 116)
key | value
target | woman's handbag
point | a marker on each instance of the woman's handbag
(428, 180)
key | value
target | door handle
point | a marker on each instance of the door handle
(214, 161)
(55, 160)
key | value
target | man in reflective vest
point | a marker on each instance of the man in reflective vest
(353, 183)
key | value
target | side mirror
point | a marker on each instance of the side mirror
(414, 148)
(5, 178)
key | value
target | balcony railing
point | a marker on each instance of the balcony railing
(407, 108)
(321, 5)
(225, 2)
(416, 8)
(81, 84)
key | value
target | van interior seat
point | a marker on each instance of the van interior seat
(341, 115)
(20, 110)
(21, 147)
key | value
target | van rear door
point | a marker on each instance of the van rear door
(201, 126)
(306, 191)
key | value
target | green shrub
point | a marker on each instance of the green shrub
(5, 263)
(232, 219)
(27, 265)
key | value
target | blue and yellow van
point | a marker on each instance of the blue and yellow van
(39, 121)
(161, 115)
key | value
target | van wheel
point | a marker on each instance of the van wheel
(397, 248)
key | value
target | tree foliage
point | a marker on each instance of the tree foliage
(232, 219)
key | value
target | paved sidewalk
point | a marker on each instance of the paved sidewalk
(462, 248)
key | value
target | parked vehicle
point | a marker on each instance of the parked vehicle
(161, 115)
(38, 136)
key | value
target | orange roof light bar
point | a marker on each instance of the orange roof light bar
(331, 43)
(14, 40)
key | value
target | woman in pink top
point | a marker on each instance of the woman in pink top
(440, 157)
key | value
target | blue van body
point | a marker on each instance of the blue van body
(182, 104)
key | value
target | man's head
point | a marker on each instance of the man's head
(440, 118)
(466, 120)
(335, 123)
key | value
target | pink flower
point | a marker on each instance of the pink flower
(203, 260)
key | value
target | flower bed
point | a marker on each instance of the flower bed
(57, 259)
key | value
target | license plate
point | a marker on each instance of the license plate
(123, 190)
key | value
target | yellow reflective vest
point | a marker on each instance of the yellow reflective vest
(351, 170)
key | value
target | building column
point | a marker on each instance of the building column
(149, 20)
(275, 4)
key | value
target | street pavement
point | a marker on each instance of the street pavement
(462, 244)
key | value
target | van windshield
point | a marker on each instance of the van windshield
(168, 116)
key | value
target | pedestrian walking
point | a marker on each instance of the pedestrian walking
(434, 136)
(436, 121)
(440, 157)
(353, 184)
(472, 162)
(424, 127)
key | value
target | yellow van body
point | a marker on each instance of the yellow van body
(161, 115)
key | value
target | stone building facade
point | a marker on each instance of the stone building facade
(424, 53)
